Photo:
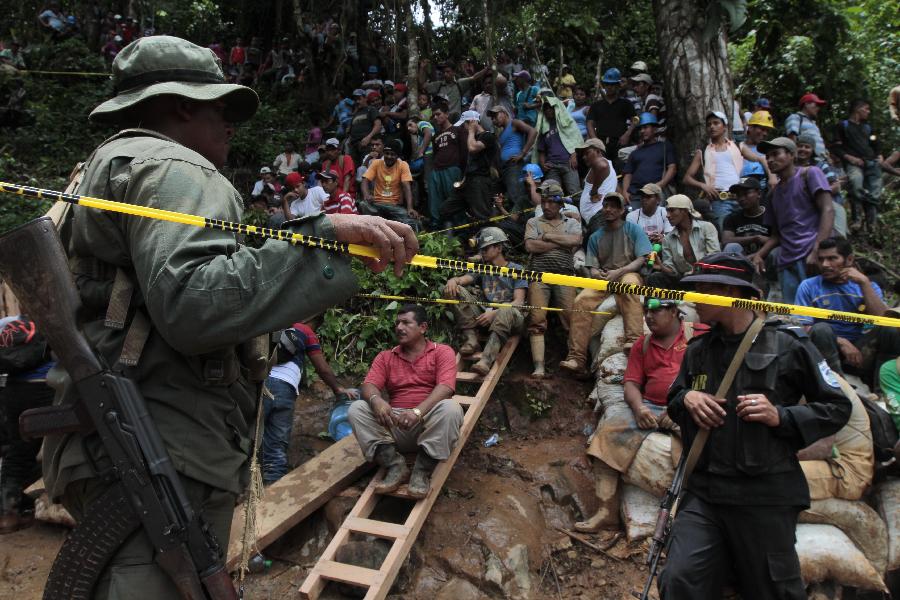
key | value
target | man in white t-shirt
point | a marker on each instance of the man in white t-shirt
(288, 161)
(301, 200)
(600, 180)
(651, 217)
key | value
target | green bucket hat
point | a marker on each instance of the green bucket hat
(162, 64)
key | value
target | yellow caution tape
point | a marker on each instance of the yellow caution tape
(476, 223)
(74, 73)
(433, 262)
(479, 303)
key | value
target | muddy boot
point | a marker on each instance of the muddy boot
(574, 367)
(396, 471)
(470, 344)
(420, 480)
(537, 355)
(606, 486)
(488, 355)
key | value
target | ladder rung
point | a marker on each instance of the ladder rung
(468, 376)
(465, 400)
(382, 529)
(338, 571)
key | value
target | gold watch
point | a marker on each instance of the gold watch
(417, 412)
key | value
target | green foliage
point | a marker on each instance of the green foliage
(838, 49)
(353, 335)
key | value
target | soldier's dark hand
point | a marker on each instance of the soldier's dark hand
(707, 411)
(757, 409)
(395, 242)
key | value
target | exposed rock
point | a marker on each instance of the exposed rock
(456, 589)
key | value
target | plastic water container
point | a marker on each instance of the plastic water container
(338, 425)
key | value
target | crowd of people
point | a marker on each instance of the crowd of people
(575, 186)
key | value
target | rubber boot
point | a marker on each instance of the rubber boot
(606, 487)
(396, 471)
(470, 344)
(537, 355)
(488, 355)
(420, 480)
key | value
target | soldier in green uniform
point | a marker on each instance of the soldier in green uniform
(195, 294)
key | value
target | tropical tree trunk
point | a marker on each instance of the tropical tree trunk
(696, 74)
(412, 65)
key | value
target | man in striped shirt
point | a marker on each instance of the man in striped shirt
(338, 201)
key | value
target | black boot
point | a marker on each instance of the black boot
(420, 480)
(396, 471)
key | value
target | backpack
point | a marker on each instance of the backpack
(884, 432)
(22, 348)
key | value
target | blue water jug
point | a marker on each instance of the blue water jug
(338, 425)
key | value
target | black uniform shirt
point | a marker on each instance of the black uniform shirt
(748, 463)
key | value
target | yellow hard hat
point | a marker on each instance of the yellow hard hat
(762, 118)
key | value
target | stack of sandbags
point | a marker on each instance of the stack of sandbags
(638, 510)
(887, 499)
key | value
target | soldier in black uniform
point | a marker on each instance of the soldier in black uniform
(737, 519)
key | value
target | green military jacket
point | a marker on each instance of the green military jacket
(204, 294)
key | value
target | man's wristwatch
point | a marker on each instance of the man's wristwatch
(417, 412)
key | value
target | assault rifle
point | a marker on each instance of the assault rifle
(145, 491)
(659, 543)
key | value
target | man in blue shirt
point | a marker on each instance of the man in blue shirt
(848, 347)
(615, 252)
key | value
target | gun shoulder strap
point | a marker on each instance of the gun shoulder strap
(725, 385)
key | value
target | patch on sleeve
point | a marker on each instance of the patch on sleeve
(828, 375)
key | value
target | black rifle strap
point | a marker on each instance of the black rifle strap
(110, 520)
(700, 441)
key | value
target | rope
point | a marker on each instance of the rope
(433, 262)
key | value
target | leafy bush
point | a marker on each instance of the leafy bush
(354, 334)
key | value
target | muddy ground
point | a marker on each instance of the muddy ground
(492, 532)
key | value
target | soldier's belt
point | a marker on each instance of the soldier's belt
(433, 262)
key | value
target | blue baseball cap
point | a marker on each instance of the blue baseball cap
(763, 103)
(612, 75)
(373, 69)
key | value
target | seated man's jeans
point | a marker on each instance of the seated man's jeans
(789, 277)
(278, 419)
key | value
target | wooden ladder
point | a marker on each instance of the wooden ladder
(402, 536)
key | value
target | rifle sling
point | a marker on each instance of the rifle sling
(724, 386)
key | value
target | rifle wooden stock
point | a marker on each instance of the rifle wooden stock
(34, 264)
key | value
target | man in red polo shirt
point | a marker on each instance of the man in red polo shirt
(419, 377)
(653, 364)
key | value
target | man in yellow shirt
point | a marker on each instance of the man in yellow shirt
(386, 188)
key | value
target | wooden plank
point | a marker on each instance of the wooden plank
(315, 582)
(345, 573)
(382, 529)
(300, 493)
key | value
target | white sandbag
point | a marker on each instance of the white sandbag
(612, 369)
(652, 469)
(605, 394)
(856, 519)
(612, 338)
(827, 554)
(887, 499)
(639, 510)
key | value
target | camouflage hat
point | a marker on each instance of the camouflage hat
(490, 236)
(161, 64)
(552, 189)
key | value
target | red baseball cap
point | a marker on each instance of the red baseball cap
(400, 87)
(810, 97)
(293, 179)
(372, 95)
